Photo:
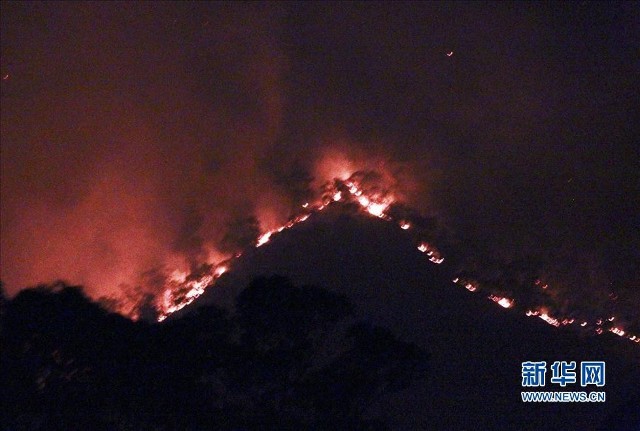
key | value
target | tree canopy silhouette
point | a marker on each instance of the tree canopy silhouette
(289, 357)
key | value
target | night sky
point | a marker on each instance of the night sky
(134, 133)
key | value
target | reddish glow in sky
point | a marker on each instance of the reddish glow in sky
(134, 135)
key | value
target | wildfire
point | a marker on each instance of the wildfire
(434, 255)
(182, 291)
(263, 239)
(550, 320)
(619, 332)
(467, 285)
(502, 301)
(178, 276)
(170, 304)
(220, 270)
(374, 206)
(377, 209)
(183, 288)
(544, 316)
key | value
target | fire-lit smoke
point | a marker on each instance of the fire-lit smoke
(144, 143)
(119, 172)
(372, 193)
(139, 157)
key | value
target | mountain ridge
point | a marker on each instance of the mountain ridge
(477, 348)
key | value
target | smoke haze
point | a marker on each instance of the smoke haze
(134, 135)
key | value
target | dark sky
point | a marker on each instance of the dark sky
(132, 133)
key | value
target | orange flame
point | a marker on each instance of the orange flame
(502, 301)
(373, 205)
(263, 239)
(619, 332)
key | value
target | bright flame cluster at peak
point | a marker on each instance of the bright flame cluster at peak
(375, 206)
(183, 288)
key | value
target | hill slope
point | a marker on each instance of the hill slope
(476, 347)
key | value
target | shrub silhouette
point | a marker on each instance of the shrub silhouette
(288, 358)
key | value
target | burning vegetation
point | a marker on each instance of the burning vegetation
(371, 194)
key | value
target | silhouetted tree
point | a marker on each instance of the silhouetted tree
(290, 358)
(310, 360)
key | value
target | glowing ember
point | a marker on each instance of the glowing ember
(171, 304)
(617, 331)
(506, 303)
(377, 209)
(364, 201)
(550, 320)
(220, 270)
(263, 239)
(183, 290)
(502, 301)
